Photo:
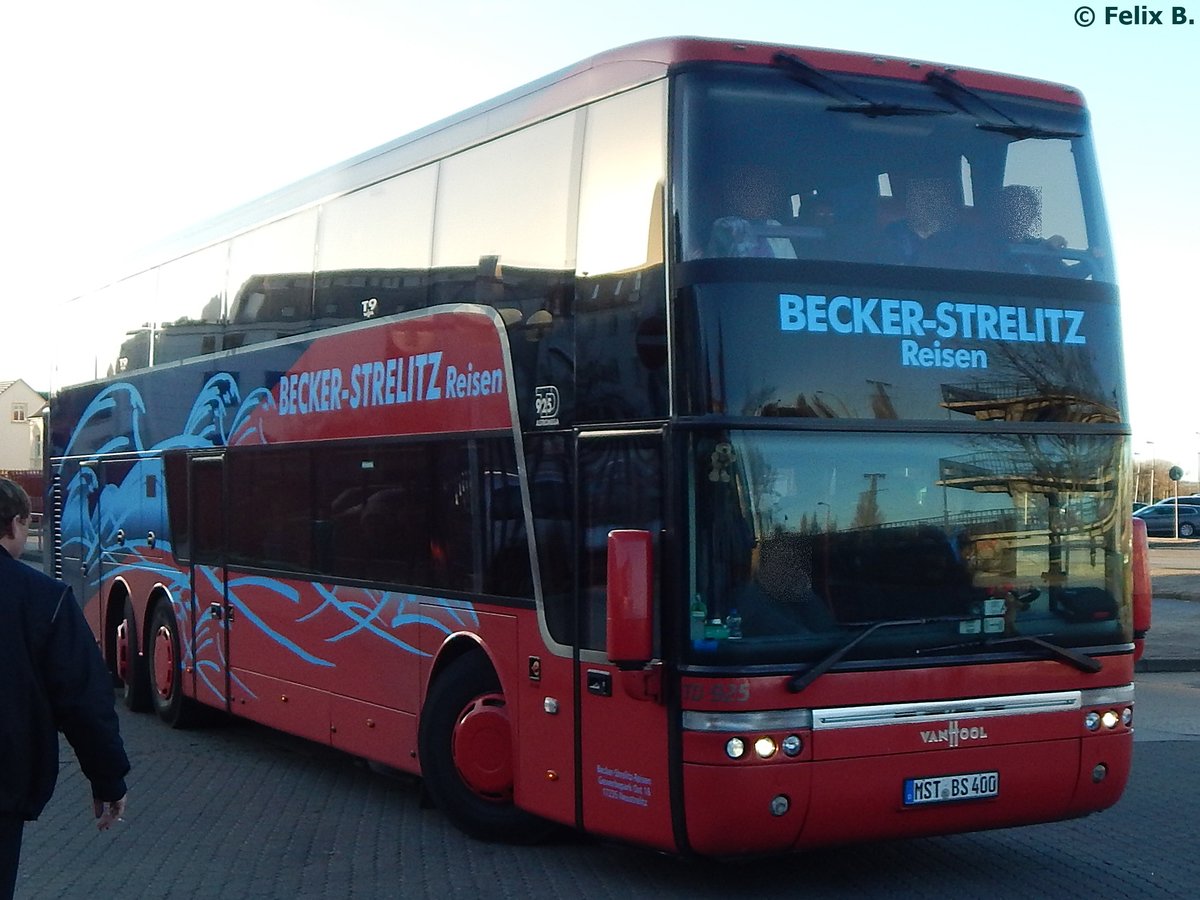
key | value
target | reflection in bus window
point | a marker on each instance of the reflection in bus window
(190, 305)
(270, 280)
(620, 310)
(803, 544)
(374, 250)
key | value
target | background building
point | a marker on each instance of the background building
(20, 427)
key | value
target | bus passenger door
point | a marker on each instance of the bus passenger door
(102, 522)
(118, 516)
(624, 781)
(117, 522)
(208, 630)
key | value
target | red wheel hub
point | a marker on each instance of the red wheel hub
(123, 652)
(164, 663)
(482, 748)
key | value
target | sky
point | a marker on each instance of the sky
(128, 121)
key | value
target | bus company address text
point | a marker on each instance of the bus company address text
(387, 382)
(908, 319)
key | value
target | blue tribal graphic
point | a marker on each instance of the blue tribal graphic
(107, 520)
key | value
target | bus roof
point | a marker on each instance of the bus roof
(670, 52)
(590, 79)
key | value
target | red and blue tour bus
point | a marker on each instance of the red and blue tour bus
(718, 447)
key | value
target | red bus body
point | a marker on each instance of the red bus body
(392, 530)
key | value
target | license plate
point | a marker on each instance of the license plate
(949, 788)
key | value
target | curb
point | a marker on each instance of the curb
(1166, 543)
(1166, 665)
(1176, 595)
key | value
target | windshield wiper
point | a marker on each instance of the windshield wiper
(1025, 132)
(850, 100)
(991, 119)
(1080, 661)
(797, 683)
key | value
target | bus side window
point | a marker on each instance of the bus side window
(207, 511)
(175, 474)
(373, 251)
(499, 526)
(549, 463)
(620, 325)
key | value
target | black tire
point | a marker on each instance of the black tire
(475, 790)
(135, 678)
(166, 670)
(1186, 529)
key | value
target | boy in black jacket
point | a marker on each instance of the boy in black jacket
(53, 679)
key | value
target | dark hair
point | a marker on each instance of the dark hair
(14, 504)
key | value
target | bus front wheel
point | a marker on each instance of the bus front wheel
(465, 744)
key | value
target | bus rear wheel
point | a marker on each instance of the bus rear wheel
(465, 744)
(131, 664)
(166, 669)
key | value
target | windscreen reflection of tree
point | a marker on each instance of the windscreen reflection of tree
(1074, 468)
(1064, 380)
(1071, 478)
(1069, 467)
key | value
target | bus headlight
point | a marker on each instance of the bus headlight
(1110, 719)
(735, 748)
(765, 747)
(1092, 721)
(792, 745)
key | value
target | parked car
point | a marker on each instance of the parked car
(1160, 520)
(1190, 500)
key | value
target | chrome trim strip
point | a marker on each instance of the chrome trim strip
(905, 713)
(920, 713)
(770, 720)
(1112, 696)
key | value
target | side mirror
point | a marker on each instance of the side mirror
(1141, 587)
(630, 597)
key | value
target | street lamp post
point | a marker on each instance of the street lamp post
(1150, 444)
(1137, 478)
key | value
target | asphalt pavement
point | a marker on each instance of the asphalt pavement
(1173, 644)
(237, 810)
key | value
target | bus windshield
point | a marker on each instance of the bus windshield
(923, 174)
(932, 260)
(801, 540)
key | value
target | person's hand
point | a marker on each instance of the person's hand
(108, 812)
